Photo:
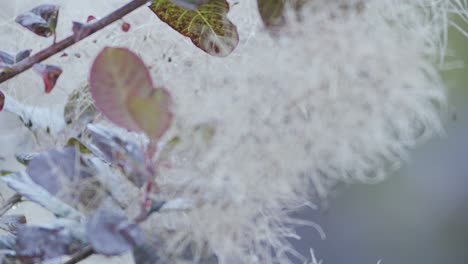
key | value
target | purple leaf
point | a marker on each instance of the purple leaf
(117, 151)
(41, 20)
(24, 185)
(110, 233)
(51, 168)
(35, 244)
(49, 73)
(123, 92)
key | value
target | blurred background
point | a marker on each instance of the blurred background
(420, 214)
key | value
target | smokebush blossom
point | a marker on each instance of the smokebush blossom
(339, 96)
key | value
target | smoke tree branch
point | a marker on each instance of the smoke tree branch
(85, 31)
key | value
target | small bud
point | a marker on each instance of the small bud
(90, 18)
(125, 27)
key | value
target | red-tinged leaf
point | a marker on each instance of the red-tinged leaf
(122, 89)
(125, 27)
(207, 26)
(2, 100)
(115, 73)
(49, 73)
(41, 20)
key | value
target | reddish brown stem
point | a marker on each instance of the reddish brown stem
(150, 185)
(70, 40)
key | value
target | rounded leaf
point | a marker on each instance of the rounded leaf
(151, 112)
(123, 92)
(116, 73)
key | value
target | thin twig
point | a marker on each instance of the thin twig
(81, 255)
(88, 29)
(10, 203)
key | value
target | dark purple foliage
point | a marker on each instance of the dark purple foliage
(49, 169)
(117, 151)
(111, 233)
(35, 244)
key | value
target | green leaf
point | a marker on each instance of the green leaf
(207, 26)
(81, 147)
(272, 12)
(5, 172)
(159, 101)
